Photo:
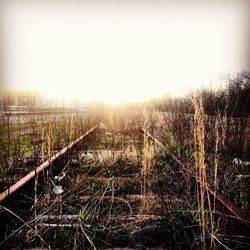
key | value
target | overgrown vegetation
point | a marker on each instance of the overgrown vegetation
(128, 187)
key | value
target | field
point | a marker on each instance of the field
(125, 125)
(140, 179)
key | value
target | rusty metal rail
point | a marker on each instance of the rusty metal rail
(12, 189)
(237, 212)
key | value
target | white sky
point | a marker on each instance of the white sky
(116, 52)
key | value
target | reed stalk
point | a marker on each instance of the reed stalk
(200, 167)
(145, 165)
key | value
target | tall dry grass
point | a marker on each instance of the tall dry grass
(146, 165)
(200, 167)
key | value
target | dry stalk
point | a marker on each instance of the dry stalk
(35, 200)
(50, 153)
(43, 143)
(24, 223)
(212, 211)
(50, 139)
(71, 128)
(200, 167)
(146, 165)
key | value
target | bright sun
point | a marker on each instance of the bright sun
(119, 52)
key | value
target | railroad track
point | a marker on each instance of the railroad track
(108, 204)
(220, 198)
(8, 192)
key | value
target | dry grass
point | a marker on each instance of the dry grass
(146, 165)
(200, 167)
(115, 173)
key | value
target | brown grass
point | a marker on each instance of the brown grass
(200, 167)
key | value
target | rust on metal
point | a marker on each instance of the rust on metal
(12, 189)
(237, 212)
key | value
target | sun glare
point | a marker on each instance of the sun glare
(119, 53)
